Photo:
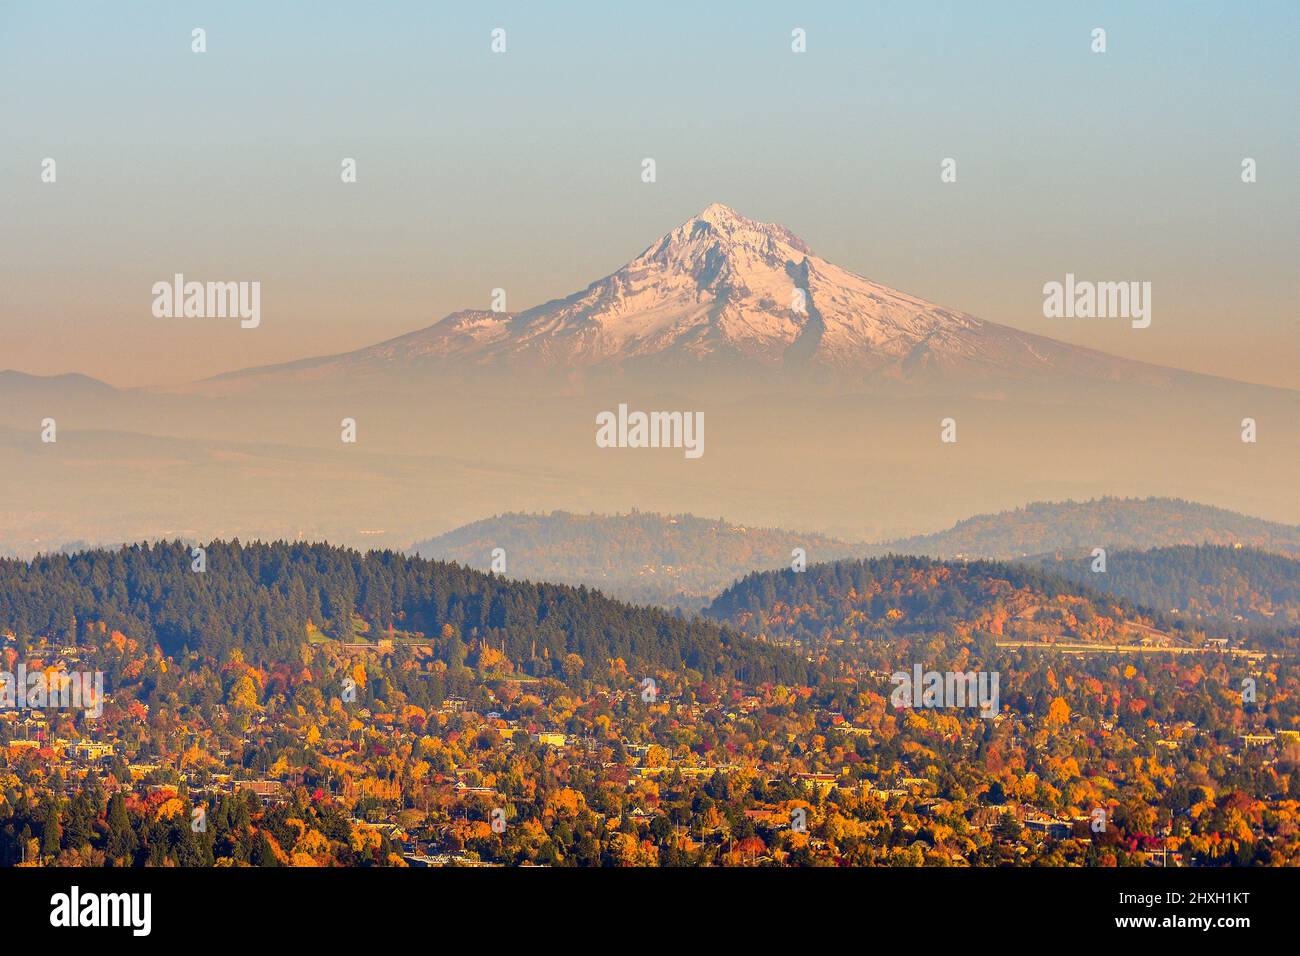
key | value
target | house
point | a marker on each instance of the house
(1054, 829)
(92, 750)
(268, 791)
(884, 793)
(823, 783)
(464, 788)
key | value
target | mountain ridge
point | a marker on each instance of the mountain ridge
(1015, 533)
(683, 560)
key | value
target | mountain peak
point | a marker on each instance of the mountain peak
(722, 288)
(720, 227)
(719, 214)
(716, 211)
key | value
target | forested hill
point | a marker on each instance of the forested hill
(1136, 523)
(1211, 581)
(671, 560)
(897, 595)
(265, 599)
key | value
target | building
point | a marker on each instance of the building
(268, 791)
(92, 750)
(823, 783)
(1055, 829)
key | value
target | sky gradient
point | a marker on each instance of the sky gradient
(522, 170)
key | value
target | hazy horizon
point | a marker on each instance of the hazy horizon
(478, 171)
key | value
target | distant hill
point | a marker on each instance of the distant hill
(14, 383)
(1208, 582)
(670, 560)
(1070, 526)
(852, 601)
(683, 561)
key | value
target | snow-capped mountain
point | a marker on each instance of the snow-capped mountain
(725, 289)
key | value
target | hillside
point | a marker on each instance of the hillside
(671, 560)
(883, 598)
(1131, 523)
(1207, 582)
(263, 600)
